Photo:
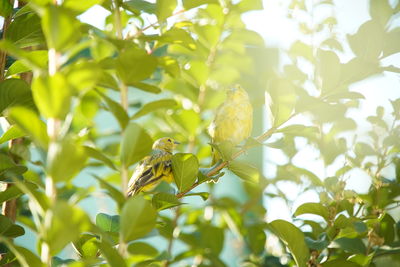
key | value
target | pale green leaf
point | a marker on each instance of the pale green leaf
(293, 238)
(185, 167)
(29, 122)
(52, 95)
(138, 218)
(152, 106)
(135, 144)
(164, 9)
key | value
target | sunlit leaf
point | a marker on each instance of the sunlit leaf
(97, 154)
(135, 65)
(29, 123)
(135, 144)
(112, 256)
(5, 8)
(138, 218)
(312, 208)
(107, 222)
(164, 9)
(293, 238)
(370, 32)
(79, 6)
(117, 110)
(245, 171)
(64, 224)
(52, 95)
(60, 27)
(163, 201)
(152, 106)
(185, 167)
(66, 158)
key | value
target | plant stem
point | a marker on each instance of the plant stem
(223, 164)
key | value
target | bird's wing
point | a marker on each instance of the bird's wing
(150, 171)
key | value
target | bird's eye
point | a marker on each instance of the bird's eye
(169, 140)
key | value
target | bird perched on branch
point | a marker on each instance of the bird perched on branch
(233, 121)
(154, 168)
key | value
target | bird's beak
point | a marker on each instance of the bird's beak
(176, 142)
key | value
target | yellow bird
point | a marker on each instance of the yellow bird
(233, 121)
(154, 168)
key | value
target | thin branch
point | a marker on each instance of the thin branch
(222, 165)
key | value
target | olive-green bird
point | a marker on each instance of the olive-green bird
(233, 121)
(154, 168)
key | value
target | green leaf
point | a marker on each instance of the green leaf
(108, 223)
(114, 193)
(87, 246)
(256, 239)
(185, 167)
(52, 95)
(12, 192)
(140, 6)
(61, 28)
(66, 160)
(371, 33)
(5, 8)
(351, 245)
(9, 229)
(65, 224)
(112, 256)
(29, 122)
(83, 75)
(319, 244)
(392, 42)
(189, 4)
(96, 154)
(380, 11)
(164, 200)
(135, 65)
(25, 257)
(293, 238)
(164, 9)
(248, 5)
(79, 6)
(212, 238)
(147, 87)
(135, 144)
(283, 100)
(340, 262)
(142, 250)
(12, 133)
(39, 57)
(361, 259)
(14, 92)
(313, 208)
(117, 110)
(329, 69)
(189, 120)
(152, 106)
(387, 229)
(245, 171)
(177, 36)
(25, 30)
(138, 218)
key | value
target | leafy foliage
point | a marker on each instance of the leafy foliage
(80, 106)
